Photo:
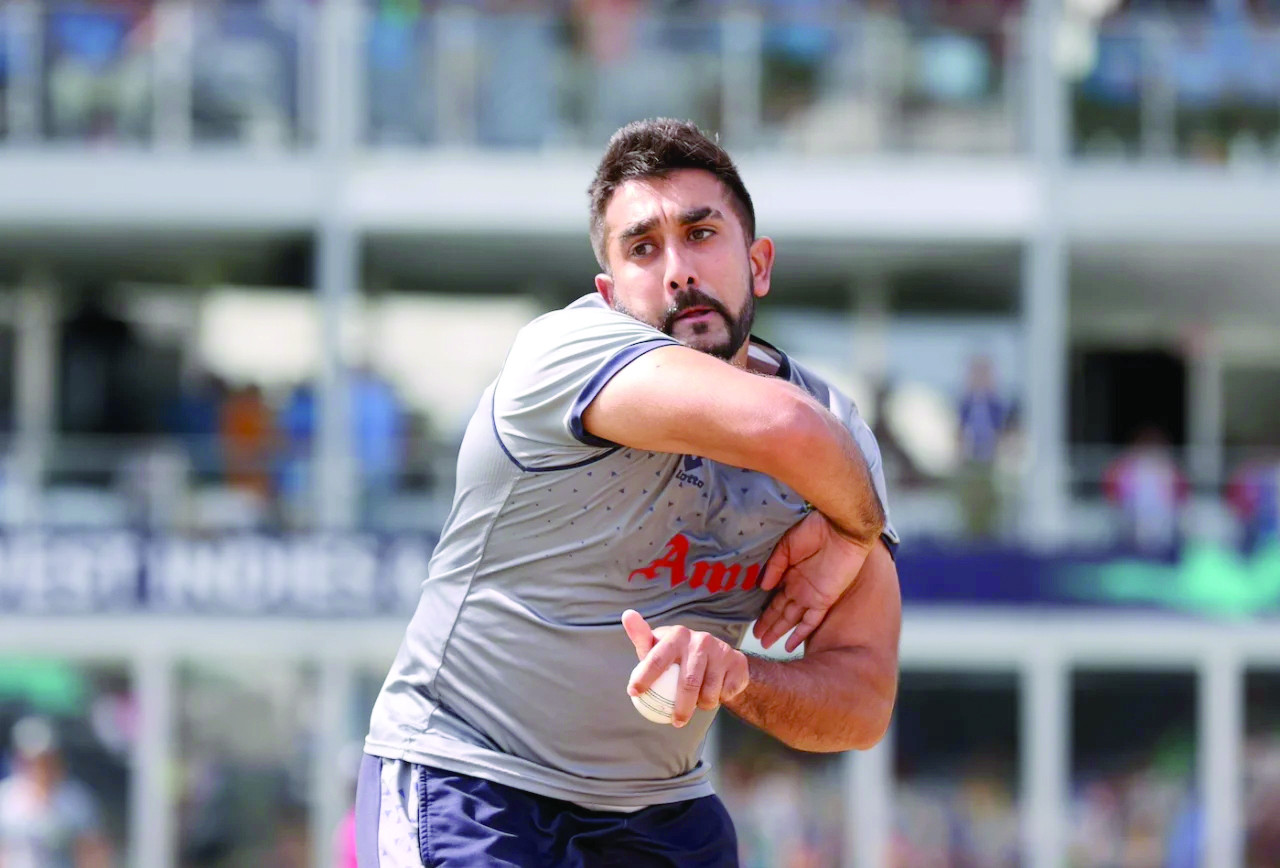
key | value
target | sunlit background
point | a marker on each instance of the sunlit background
(258, 258)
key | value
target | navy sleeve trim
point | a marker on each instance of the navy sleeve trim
(600, 379)
(891, 543)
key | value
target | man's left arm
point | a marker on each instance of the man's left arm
(840, 695)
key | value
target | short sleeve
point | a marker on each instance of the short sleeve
(871, 452)
(556, 367)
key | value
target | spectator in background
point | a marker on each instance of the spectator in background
(1254, 495)
(99, 69)
(297, 430)
(1149, 490)
(248, 438)
(195, 420)
(983, 419)
(47, 820)
(378, 430)
(379, 436)
(401, 110)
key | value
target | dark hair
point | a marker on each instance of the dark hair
(653, 148)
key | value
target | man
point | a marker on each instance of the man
(1150, 491)
(984, 417)
(638, 458)
(46, 819)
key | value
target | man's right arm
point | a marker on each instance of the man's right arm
(675, 399)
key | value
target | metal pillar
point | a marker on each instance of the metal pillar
(35, 370)
(1204, 408)
(152, 833)
(1044, 289)
(25, 37)
(741, 38)
(330, 796)
(340, 37)
(871, 330)
(457, 74)
(869, 788)
(173, 74)
(1044, 738)
(1221, 734)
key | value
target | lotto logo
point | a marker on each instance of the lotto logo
(691, 463)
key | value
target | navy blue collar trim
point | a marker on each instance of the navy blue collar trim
(784, 363)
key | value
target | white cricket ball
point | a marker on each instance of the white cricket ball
(659, 701)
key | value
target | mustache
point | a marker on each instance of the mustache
(689, 298)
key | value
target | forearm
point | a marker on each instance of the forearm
(833, 700)
(833, 475)
(684, 402)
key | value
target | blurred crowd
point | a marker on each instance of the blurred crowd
(183, 447)
(531, 73)
(1144, 484)
(1211, 69)
(266, 450)
(65, 742)
(142, 422)
(1140, 811)
(99, 80)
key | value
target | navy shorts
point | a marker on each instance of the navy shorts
(410, 815)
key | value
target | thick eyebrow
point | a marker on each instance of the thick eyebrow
(644, 227)
(697, 215)
(635, 230)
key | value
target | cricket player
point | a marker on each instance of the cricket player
(641, 482)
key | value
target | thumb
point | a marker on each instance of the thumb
(638, 632)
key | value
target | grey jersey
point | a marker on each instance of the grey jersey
(515, 665)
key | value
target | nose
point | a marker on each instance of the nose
(680, 272)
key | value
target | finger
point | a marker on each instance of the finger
(737, 677)
(669, 649)
(809, 621)
(791, 614)
(711, 694)
(770, 614)
(638, 632)
(692, 668)
(777, 564)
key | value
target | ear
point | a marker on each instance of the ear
(761, 255)
(604, 286)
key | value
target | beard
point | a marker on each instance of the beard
(738, 327)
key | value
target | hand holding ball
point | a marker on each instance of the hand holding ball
(659, 702)
(715, 672)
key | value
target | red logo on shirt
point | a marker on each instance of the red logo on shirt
(717, 576)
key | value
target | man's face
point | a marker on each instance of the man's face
(681, 262)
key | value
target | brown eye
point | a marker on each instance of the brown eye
(702, 233)
(644, 248)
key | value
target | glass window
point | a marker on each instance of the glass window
(245, 737)
(789, 806)
(956, 770)
(1262, 768)
(1133, 769)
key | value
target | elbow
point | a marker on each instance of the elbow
(861, 730)
(792, 426)
(870, 733)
